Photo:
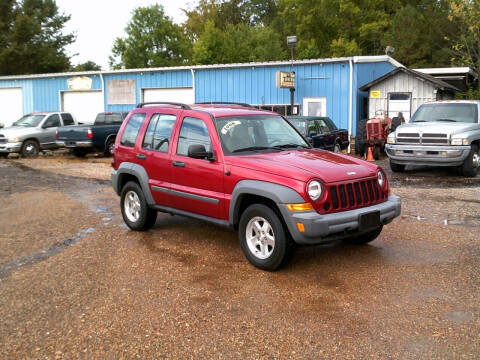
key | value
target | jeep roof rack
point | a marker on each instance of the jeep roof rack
(224, 103)
(183, 106)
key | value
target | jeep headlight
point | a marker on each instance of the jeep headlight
(381, 179)
(391, 138)
(14, 140)
(314, 190)
(460, 141)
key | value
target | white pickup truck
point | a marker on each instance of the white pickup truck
(441, 133)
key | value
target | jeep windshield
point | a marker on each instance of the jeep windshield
(448, 112)
(29, 120)
(257, 133)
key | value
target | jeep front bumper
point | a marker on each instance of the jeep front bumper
(426, 155)
(324, 228)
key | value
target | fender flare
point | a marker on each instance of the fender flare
(139, 172)
(279, 194)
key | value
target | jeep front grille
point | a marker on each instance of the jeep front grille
(422, 139)
(354, 195)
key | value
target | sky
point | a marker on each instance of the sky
(98, 22)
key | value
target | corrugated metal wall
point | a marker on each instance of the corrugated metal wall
(256, 85)
(422, 92)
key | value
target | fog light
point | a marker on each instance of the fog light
(398, 152)
(301, 227)
(443, 153)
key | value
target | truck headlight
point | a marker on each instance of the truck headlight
(460, 141)
(314, 190)
(14, 140)
(391, 138)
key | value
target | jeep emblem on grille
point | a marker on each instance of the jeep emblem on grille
(351, 173)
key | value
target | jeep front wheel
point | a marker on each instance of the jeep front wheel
(263, 238)
(135, 211)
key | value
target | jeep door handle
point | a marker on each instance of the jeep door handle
(178, 164)
(141, 156)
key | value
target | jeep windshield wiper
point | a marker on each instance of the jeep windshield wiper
(256, 148)
(286, 146)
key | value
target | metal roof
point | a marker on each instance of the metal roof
(448, 71)
(355, 59)
(442, 85)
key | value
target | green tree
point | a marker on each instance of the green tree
(86, 66)
(152, 40)
(465, 41)
(31, 38)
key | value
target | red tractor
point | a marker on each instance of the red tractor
(372, 133)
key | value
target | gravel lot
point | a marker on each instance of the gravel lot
(76, 283)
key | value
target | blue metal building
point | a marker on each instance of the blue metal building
(326, 87)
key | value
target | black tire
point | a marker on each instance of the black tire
(396, 122)
(282, 247)
(397, 167)
(3, 155)
(361, 137)
(366, 237)
(30, 148)
(79, 152)
(471, 165)
(146, 217)
(109, 146)
(376, 152)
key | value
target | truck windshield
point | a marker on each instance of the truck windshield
(448, 112)
(29, 120)
(300, 124)
(243, 134)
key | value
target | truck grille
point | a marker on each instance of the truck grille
(3, 139)
(354, 195)
(422, 139)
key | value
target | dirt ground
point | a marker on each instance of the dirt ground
(76, 283)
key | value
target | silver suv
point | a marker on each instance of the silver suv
(32, 133)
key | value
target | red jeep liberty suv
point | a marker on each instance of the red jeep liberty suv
(248, 169)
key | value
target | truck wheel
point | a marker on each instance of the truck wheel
(3, 155)
(396, 167)
(336, 148)
(361, 137)
(263, 238)
(365, 238)
(472, 162)
(109, 147)
(29, 149)
(81, 153)
(135, 211)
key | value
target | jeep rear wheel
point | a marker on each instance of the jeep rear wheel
(263, 238)
(472, 162)
(366, 237)
(135, 211)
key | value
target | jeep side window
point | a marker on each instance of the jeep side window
(159, 131)
(130, 133)
(193, 132)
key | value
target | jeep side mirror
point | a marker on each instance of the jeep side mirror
(198, 151)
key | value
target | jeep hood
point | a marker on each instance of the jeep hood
(306, 164)
(449, 128)
(16, 131)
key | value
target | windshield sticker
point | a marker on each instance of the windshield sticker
(229, 125)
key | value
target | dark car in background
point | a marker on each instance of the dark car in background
(99, 137)
(321, 132)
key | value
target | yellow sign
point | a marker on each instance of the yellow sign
(375, 94)
(285, 79)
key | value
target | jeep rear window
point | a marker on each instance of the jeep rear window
(130, 133)
(448, 112)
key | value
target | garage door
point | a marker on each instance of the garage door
(181, 95)
(399, 102)
(11, 103)
(84, 105)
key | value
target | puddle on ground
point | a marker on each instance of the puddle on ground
(39, 256)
